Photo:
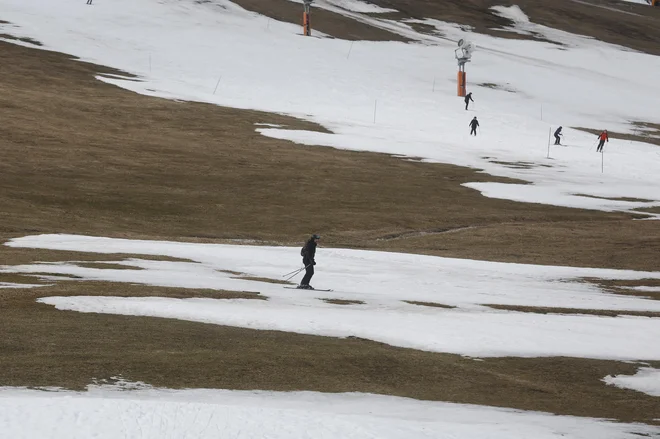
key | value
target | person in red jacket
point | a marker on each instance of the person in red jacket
(603, 138)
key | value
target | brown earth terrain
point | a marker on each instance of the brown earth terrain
(42, 346)
(81, 156)
(613, 21)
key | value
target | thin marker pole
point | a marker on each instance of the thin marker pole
(602, 160)
(549, 134)
(375, 105)
(433, 84)
(149, 63)
(349, 50)
(217, 84)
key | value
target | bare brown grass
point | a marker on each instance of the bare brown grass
(430, 304)
(107, 266)
(265, 280)
(633, 26)
(625, 286)
(594, 312)
(343, 301)
(42, 346)
(81, 156)
(327, 22)
(632, 200)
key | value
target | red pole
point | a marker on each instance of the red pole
(462, 90)
(307, 28)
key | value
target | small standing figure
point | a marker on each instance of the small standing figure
(603, 138)
(89, 2)
(474, 124)
(558, 136)
(468, 98)
(308, 252)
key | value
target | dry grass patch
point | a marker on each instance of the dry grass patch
(42, 346)
(494, 86)
(266, 280)
(176, 179)
(632, 200)
(655, 210)
(120, 289)
(15, 278)
(633, 245)
(431, 304)
(328, 22)
(343, 301)
(624, 286)
(107, 266)
(605, 20)
(22, 39)
(555, 310)
(520, 165)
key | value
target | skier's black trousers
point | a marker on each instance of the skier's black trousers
(309, 272)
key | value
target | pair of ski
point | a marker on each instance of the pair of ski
(305, 289)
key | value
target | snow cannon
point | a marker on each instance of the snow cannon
(463, 55)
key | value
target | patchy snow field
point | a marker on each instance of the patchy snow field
(383, 281)
(387, 96)
(106, 412)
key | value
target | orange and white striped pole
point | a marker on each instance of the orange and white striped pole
(307, 18)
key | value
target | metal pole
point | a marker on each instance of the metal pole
(549, 136)
(217, 84)
(375, 105)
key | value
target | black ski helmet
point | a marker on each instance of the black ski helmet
(315, 236)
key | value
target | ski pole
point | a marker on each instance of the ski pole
(293, 272)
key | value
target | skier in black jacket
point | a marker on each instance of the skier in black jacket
(474, 124)
(557, 136)
(308, 253)
(468, 98)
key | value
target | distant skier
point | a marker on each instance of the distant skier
(558, 136)
(603, 138)
(308, 252)
(474, 124)
(468, 98)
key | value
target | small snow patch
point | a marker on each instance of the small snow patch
(646, 380)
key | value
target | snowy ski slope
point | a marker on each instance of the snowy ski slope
(383, 281)
(182, 49)
(107, 412)
(385, 97)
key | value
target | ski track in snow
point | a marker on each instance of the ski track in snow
(383, 281)
(411, 88)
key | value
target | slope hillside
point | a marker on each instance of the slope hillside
(164, 160)
(614, 21)
(625, 23)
